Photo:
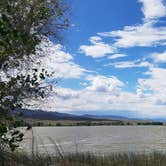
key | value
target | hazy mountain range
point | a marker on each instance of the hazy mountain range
(44, 115)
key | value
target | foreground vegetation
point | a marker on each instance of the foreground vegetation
(86, 159)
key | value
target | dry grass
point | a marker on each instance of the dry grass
(84, 159)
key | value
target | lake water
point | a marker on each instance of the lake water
(98, 139)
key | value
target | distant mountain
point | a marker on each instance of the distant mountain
(109, 117)
(127, 117)
(159, 119)
(44, 115)
(123, 118)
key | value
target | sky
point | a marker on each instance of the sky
(113, 60)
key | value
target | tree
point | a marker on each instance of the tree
(23, 25)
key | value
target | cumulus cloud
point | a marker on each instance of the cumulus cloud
(97, 48)
(156, 81)
(103, 93)
(159, 57)
(153, 9)
(98, 94)
(54, 59)
(104, 84)
(155, 87)
(94, 99)
(145, 34)
(139, 35)
(65, 93)
(51, 57)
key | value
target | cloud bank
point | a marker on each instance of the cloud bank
(108, 93)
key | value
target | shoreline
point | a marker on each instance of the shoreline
(61, 123)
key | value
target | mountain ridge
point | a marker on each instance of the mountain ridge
(45, 115)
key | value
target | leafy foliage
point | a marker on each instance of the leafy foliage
(23, 22)
(17, 89)
(10, 138)
(23, 25)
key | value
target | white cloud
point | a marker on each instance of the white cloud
(159, 57)
(97, 48)
(140, 35)
(156, 82)
(106, 93)
(65, 93)
(155, 88)
(153, 9)
(145, 34)
(54, 59)
(51, 57)
(104, 84)
(95, 39)
(67, 100)
(115, 56)
(130, 64)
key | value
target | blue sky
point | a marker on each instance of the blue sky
(113, 60)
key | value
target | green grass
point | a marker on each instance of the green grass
(82, 159)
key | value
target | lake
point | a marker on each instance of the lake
(97, 139)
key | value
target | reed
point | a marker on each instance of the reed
(81, 159)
